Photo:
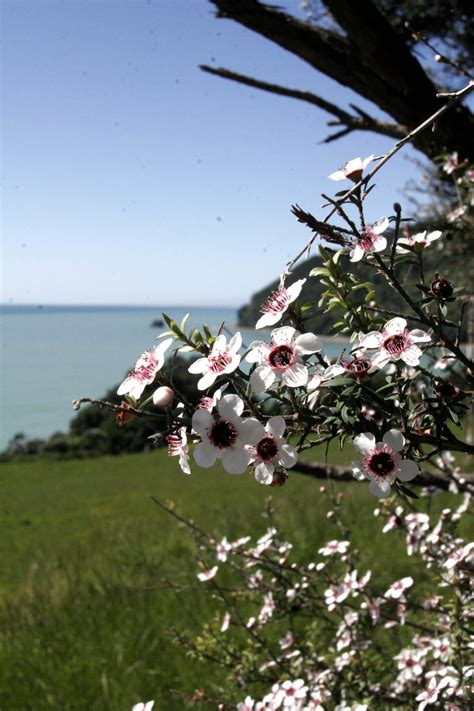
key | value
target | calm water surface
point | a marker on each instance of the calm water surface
(54, 354)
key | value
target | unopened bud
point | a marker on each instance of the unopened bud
(162, 397)
(279, 479)
(397, 207)
(441, 289)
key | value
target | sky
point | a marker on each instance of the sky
(129, 176)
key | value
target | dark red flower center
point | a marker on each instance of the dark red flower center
(267, 449)
(381, 463)
(356, 366)
(282, 357)
(222, 434)
(395, 344)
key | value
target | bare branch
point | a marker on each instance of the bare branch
(362, 122)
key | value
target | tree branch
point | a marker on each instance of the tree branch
(371, 59)
(362, 122)
(339, 473)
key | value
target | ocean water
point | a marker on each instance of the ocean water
(54, 354)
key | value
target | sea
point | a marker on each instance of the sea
(51, 355)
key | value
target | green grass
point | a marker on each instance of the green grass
(84, 623)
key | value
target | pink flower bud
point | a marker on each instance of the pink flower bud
(162, 397)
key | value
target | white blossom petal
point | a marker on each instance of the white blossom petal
(380, 488)
(198, 366)
(394, 439)
(268, 319)
(365, 442)
(283, 335)
(408, 470)
(230, 407)
(205, 454)
(411, 355)
(295, 376)
(235, 460)
(288, 456)
(201, 421)
(251, 431)
(276, 426)
(394, 327)
(307, 343)
(262, 378)
(264, 473)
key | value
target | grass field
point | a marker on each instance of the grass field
(83, 622)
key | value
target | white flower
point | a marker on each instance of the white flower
(207, 574)
(352, 170)
(225, 437)
(178, 447)
(370, 240)
(277, 303)
(334, 548)
(225, 622)
(455, 214)
(279, 359)
(143, 706)
(222, 548)
(397, 588)
(144, 371)
(382, 463)
(247, 705)
(395, 342)
(222, 359)
(417, 242)
(451, 163)
(271, 450)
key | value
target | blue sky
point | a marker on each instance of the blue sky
(130, 176)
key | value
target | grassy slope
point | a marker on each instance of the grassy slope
(83, 624)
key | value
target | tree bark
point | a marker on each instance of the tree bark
(371, 58)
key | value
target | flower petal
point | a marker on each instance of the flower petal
(294, 290)
(285, 334)
(295, 376)
(276, 426)
(380, 226)
(264, 473)
(380, 488)
(419, 336)
(251, 431)
(394, 327)
(198, 366)
(207, 380)
(201, 421)
(268, 320)
(394, 439)
(261, 378)
(235, 460)
(205, 454)
(307, 343)
(411, 355)
(230, 407)
(288, 456)
(408, 470)
(357, 253)
(365, 442)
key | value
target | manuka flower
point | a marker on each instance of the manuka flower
(382, 462)
(352, 170)
(144, 371)
(271, 451)
(277, 303)
(222, 359)
(417, 242)
(225, 437)
(394, 342)
(370, 240)
(279, 359)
